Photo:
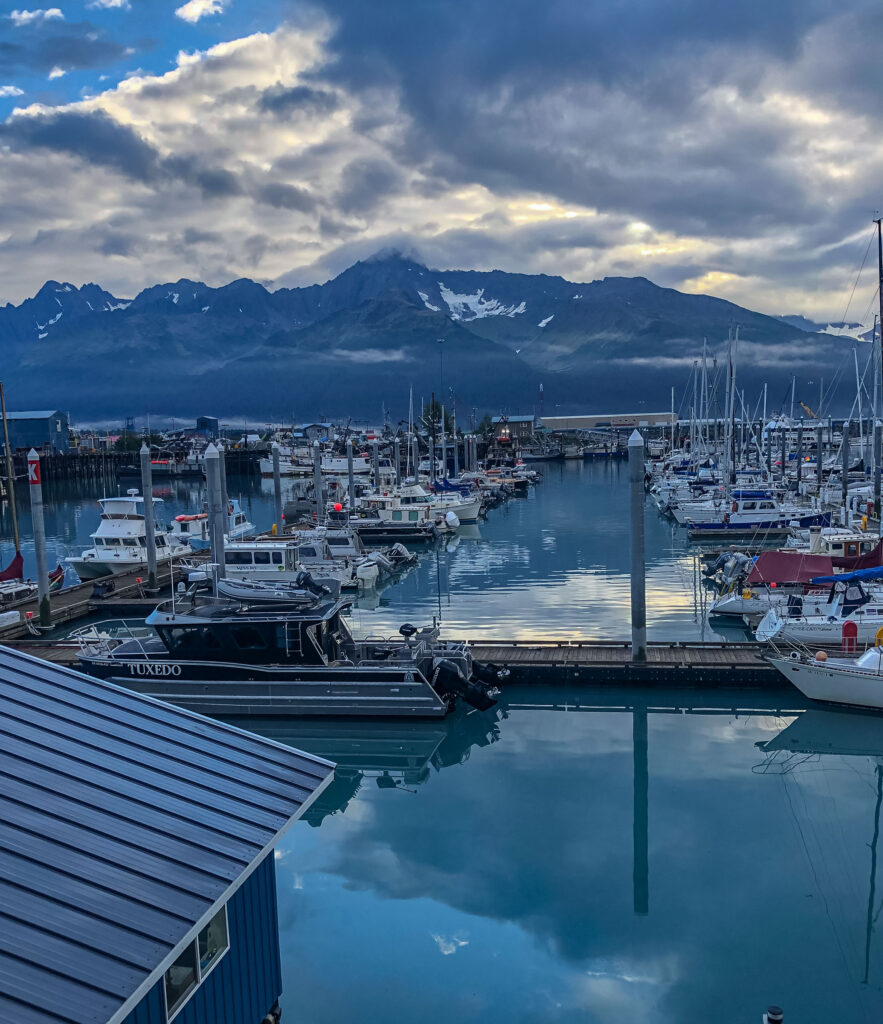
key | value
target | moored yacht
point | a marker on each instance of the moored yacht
(120, 542)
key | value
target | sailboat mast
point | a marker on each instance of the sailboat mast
(10, 473)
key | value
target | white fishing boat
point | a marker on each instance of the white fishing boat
(120, 542)
(337, 465)
(284, 560)
(410, 503)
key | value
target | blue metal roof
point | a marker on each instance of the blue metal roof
(40, 414)
(512, 419)
(124, 824)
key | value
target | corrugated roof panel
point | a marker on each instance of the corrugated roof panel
(123, 821)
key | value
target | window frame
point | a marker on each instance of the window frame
(200, 976)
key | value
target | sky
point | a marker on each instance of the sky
(733, 149)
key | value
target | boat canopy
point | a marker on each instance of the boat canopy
(788, 567)
(874, 573)
(871, 559)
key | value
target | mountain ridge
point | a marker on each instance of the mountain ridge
(372, 332)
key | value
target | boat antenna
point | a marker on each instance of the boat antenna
(10, 473)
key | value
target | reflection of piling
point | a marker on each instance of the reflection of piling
(640, 815)
(350, 474)
(317, 482)
(636, 500)
(216, 509)
(36, 489)
(278, 523)
(844, 466)
(397, 459)
(149, 523)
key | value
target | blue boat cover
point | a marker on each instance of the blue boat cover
(874, 573)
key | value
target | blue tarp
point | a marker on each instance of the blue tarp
(874, 573)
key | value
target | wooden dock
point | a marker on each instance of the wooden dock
(78, 601)
(610, 662)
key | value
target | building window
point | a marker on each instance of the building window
(195, 963)
(181, 979)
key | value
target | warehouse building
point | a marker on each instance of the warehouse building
(46, 430)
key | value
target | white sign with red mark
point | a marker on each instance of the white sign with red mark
(34, 472)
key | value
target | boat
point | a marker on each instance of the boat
(285, 558)
(194, 529)
(337, 465)
(855, 682)
(302, 591)
(220, 656)
(120, 542)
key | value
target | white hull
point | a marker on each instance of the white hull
(824, 681)
(94, 568)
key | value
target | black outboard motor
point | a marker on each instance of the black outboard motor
(305, 581)
(449, 679)
(489, 673)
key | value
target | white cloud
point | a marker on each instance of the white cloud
(10, 90)
(57, 72)
(108, 4)
(193, 10)
(26, 17)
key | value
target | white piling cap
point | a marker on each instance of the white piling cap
(33, 454)
(635, 439)
(144, 450)
(274, 446)
(211, 452)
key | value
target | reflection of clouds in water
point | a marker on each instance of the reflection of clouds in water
(534, 833)
(447, 947)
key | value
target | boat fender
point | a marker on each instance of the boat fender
(734, 507)
(821, 656)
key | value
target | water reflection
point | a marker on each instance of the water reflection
(590, 856)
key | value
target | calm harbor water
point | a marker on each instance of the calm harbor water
(550, 865)
(575, 855)
(554, 564)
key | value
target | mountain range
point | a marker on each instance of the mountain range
(359, 342)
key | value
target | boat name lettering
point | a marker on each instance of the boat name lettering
(141, 668)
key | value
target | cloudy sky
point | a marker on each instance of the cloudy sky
(728, 148)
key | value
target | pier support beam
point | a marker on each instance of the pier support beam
(844, 465)
(376, 454)
(217, 511)
(878, 451)
(350, 475)
(640, 814)
(149, 522)
(820, 458)
(278, 524)
(397, 459)
(36, 489)
(799, 453)
(317, 483)
(636, 501)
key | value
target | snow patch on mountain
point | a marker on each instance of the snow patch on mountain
(175, 296)
(856, 331)
(548, 319)
(427, 303)
(111, 306)
(474, 307)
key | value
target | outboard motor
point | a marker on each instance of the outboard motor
(452, 520)
(449, 679)
(305, 581)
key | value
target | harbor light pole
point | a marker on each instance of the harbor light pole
(636, 502)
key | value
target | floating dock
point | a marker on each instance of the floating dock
(609, 662)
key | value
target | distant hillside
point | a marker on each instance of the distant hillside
(361, 340)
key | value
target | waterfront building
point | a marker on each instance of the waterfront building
(137, 855)
(513, 428)
(46, 430)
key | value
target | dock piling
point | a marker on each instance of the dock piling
(36, 490)
(820, 458)
(415, 455)
(799, 453)
(317, 482)
(397, 459)
(278, 522)
(149, 523)
(636, 500)
(844, 465)
(376, 455)
(350, 475)
(216, 510)
(222, 466)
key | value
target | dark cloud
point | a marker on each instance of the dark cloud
(366, 183)
(284, 102)
(43, 45)
(286, 197)
(93, 137)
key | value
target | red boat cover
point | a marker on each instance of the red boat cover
(870, 560)
(14, 570)
(788, 567)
